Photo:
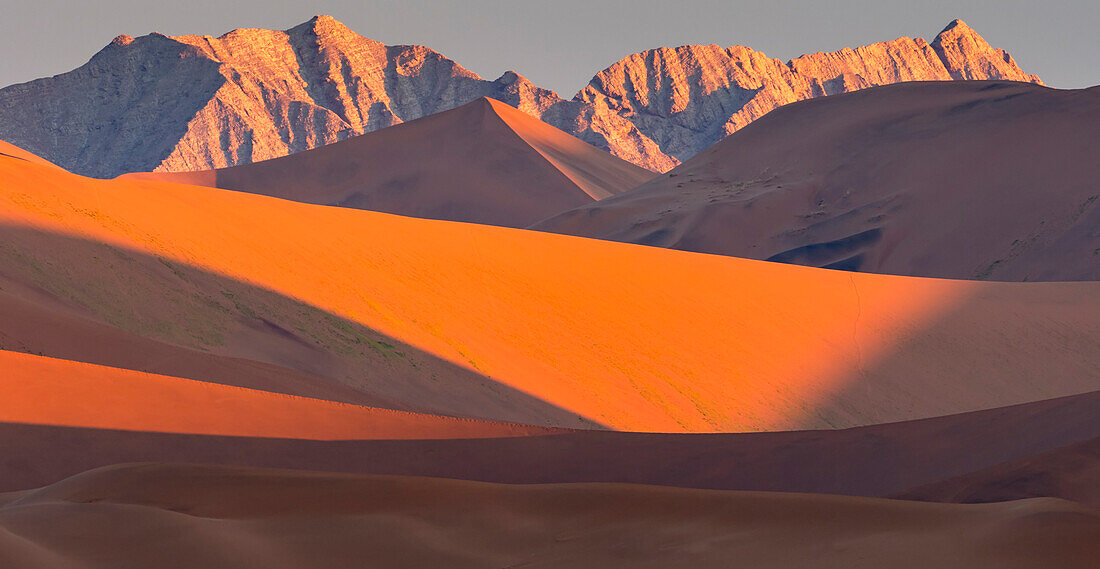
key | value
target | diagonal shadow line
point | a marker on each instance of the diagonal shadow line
(1053, 339)
(84, 300)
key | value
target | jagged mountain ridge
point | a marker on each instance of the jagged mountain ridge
(198, 102)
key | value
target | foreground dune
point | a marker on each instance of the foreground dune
(39, 390)
(533, 327)
(973, 180)
(195, 516)
(484, 162)
(877, 460)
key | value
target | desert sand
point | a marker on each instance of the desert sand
(877, 460)
(484, 162)
(48, 391)
(200, 516)
(968, 180)
(536, 328)
(12, 151)
(1071, 472)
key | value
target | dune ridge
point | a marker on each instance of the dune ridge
(484, 162)
(877, 460)
(48, 391)
(201, 516)
(853, 181)
(629, 337)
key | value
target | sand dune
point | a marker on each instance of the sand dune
(971, 180)
(549, 329)
(1071, 472)
(484, 162)
(46, 391)
(13, 151)
(35, 325)
(195, 516)
(877, 460)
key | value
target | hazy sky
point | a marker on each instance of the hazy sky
(560, 44)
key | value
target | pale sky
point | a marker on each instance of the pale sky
(560, 44)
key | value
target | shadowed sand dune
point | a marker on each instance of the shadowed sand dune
(83, 300)
(484, 162)
(877, 460)
(47, 391)
(973, 180)
(201, 516)
(1071, 472)
(629, 337)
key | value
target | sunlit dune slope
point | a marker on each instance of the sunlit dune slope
(40, 390)
(631, 337)
(484, 162)
(973, 179)
(80, 299)
(196, 516)
(13, 151)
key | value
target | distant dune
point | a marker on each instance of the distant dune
(202, 516)
(484, 162)
(969, 180)
(530, 327)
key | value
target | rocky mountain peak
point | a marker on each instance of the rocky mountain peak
(329, 28)
(967, 55)
(200, 102)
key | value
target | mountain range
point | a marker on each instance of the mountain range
(185, 103)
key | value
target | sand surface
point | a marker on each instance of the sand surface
(971, 180)
(877, 460)
(536, 328)
(13, 151)
(1071, 472)
(484, 162)
(47, 391)
(195, 516)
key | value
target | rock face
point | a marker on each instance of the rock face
(198, 102)
(688, 98)
(989, 180)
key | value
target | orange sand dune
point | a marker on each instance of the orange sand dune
(199, 516)
(632, 337)
(13, 151)
(484, 162)
(47, 391)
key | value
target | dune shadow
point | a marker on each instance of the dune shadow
(876, 460)
(998, 345)
(84, 300)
